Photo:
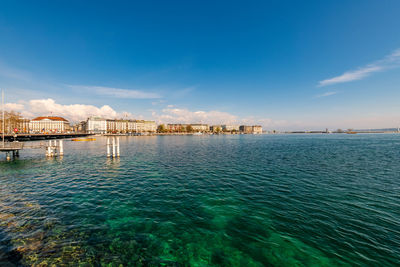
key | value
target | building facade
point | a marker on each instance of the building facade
(255, 129)
(96, 125)
(180, 127)
(130, 126)
(117, 126)
(49, 124)
(146, 126)
(177, 127)
(246, 129)
(230, 128)
(216, 128)
(200, 127)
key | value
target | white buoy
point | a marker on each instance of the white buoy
(117, 146)
(108, 147)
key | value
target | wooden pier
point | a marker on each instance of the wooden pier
(11, 149)
(36, 137)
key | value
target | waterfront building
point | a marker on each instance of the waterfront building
(121, 126)
(79, 127)
(230, 128)
(49, 124)
(257, 129)
(131, 126)
(110, 126)
(117, 126)
(246, 129)
(200, 127)
(96, 125)
(101, 126)
(143, 126)
(177, 127)
(215, 128)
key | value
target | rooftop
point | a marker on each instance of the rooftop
(52, 118)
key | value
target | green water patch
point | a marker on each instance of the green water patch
(288, 251)
(37, 239)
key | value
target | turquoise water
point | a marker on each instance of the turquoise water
(270, 200)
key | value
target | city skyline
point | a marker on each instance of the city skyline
(285, 66)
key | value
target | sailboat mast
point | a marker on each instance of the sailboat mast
(4, 121)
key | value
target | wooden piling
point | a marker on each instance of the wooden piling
(118, 147)
(113, 147)
(108, 147)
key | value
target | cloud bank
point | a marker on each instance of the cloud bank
(74, 112)
(177, 115)
(388, 62)
(172, 114)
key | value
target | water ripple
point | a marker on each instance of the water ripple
(321, 200)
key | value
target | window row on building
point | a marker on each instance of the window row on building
(97, 125)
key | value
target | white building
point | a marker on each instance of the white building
(49, 125)
(146, 126)
(200, 127)
(117, 126)
(257, 129)
(96, 125)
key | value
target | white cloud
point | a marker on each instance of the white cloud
(326, 94)
(74, 112)
(172, 114)
(118, 92)
(390, 61)
(177, 115)
(13, 106)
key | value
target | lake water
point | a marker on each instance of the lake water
(243, 200)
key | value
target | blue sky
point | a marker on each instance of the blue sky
(282, 64)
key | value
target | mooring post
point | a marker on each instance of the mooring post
(61, 148)
(49, 149)
(117, 146)
(113, 145)
(54, 148)
(108, 147)
(8, 157)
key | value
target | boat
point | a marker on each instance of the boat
(84, 139)
(198, 133)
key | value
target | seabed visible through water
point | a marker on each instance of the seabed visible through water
(268, 200)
